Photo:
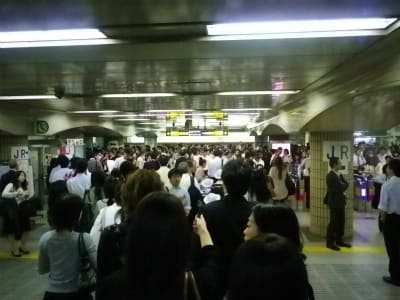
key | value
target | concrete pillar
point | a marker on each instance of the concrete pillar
(319, 214)
(150, 141)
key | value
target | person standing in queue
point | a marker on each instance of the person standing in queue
(389, 208)
(336, 201)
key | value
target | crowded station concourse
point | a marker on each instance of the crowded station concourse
(199, 150)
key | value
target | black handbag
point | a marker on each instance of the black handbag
(290, 185)
(87, 218)
(87, 272)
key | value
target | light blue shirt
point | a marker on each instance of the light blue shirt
(59, 256)
(390, 196)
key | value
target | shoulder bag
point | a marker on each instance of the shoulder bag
(87, 272)
(189, 279)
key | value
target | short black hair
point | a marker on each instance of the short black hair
(333, 161)
(268, 267)
(278, 219)
(394, 165)
(81, 166)
(174, 172)
(127, 168)
(236, 176)
(66, 211)
(163, 160)
(63, 161)
(12, 164)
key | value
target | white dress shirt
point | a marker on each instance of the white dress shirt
(213, 166)
(108, 216)
(58, 173)
(185, 182)
(163, 172)
(390, 196)
(183, 196)
(119, 161)
(79, 184)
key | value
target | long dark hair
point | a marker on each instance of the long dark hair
(258, 186)
(278, 219)
(158, 248)
(278, 163)
(17, 184)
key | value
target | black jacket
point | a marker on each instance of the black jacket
(118, 287)
(336, 186)
(7, 178)
(226, 220)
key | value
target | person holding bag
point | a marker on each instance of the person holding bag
(17, 214)
(65, 254)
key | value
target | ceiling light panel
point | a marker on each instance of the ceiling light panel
(138, 95)
(51, 35)
(29, 97)
(254, 93)
(301, 26)
(94, 111)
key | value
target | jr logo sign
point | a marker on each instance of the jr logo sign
(339, 149)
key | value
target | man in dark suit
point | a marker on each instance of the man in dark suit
(8, 177)
(227, 218)
(336, 201)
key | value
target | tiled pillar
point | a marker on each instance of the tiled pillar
(319, 213)
(6, 142)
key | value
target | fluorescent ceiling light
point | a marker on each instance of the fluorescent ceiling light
(29, 97)
(138, 95)
(51, 35)
(170, 110)
(301, 26)
(51, 38)
(250, 93)
(245, 109)
(94, 111)
(149, 123)
(58, 43)
(132, 119)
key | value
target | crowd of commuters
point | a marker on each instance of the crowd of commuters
(146, 242)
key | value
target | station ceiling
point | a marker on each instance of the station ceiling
(163, 48)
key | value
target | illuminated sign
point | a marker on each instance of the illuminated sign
(201, 132)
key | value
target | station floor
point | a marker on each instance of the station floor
(352, 274)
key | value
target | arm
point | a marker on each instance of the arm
(43, 260)
(91, 249)
(7, 192)
(186, 203)
(383, 202)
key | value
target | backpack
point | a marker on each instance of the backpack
(195, 199)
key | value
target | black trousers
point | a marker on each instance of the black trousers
(335, 230)
(307, 190)
(391, 234)
(67, 296)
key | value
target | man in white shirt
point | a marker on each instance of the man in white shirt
(163, 170)
(186, 169)
(389, 208)
(277, 153)
(61, 171)
(214, 164)
(126, 155)
(141, 160)
(359, 159)
(81, 181)
(174, 188)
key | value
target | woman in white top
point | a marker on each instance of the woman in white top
(59, 253)
(278, 173)
(17, 222)
(200, 171)
(109, 213)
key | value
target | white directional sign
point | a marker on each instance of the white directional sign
(20, 152)
(339, 149)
